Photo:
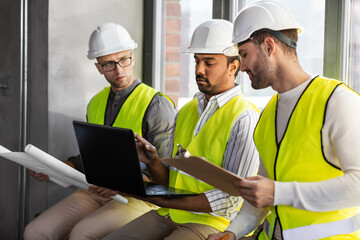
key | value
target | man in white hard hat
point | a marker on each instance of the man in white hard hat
(307, 138)
(125, 103)
(218, 125)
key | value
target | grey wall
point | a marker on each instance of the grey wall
(23, 107)
(73, 79)
(39, 100)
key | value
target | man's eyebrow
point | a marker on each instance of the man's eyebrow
(209, 58)
(205, 58)
(117, 59)
(123, 57)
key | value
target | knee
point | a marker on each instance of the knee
(34, 231)
(39, 230)
(81, 232)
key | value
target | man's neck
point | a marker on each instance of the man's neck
(208, 96)
(289, 79)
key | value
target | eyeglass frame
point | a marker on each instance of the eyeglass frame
(116, 63)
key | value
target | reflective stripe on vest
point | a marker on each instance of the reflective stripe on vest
(210, 143)
(323, 230)
(131, 113)
(299, 157)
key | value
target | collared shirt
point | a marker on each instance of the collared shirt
(240, 157)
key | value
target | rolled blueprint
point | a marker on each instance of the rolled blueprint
(58, 172)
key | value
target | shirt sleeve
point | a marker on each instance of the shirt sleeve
(158, 121)
(247, 220)
(170, 145)
(76, 160)
(241, 158)
(341, 141)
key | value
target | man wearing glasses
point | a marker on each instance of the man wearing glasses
(126, 103)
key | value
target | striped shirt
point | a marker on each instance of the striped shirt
(240, 157)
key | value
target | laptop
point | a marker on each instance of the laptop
(109, 158)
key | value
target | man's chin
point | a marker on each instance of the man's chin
(120, 86)
(204, 90)
(257, 86)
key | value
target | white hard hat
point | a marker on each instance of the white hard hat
(109, 38)
(263, 15)
(211, 37)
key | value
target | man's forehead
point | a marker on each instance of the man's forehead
(246, 46)
(208, 56)
(116, 55)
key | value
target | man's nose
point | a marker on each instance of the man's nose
(242, 66)
(200, 69)
(118, 68)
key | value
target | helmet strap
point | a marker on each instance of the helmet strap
(279, 35)
(283, 38)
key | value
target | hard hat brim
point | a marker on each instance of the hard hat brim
(94, 55)
(210, 51)
(231, 51)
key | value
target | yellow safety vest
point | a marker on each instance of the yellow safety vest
(299, 157)
(131, 113)
(210, 143)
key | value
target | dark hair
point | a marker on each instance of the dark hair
(259, 36)
(230, 60)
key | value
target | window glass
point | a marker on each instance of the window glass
(355, 47)
(182, 17)
(193, 14)
(311, 16)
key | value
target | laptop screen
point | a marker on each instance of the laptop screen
(109, 157)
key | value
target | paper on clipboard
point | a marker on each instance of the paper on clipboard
(206, 171)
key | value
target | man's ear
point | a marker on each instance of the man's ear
(99, 68)
(234, 65)
(269, 44)
(133, 58)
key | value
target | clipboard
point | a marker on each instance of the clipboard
(206, 171)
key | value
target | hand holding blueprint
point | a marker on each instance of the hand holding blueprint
(58, 172)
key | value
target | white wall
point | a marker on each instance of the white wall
(73, 79)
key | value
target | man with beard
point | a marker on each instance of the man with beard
(307, 138)
(126, 103)
(218, 125)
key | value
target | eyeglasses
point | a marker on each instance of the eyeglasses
(110, 66)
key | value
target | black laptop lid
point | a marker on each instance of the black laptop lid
(109, 158)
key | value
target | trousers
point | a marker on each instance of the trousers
(152, 226)
(84, 215)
